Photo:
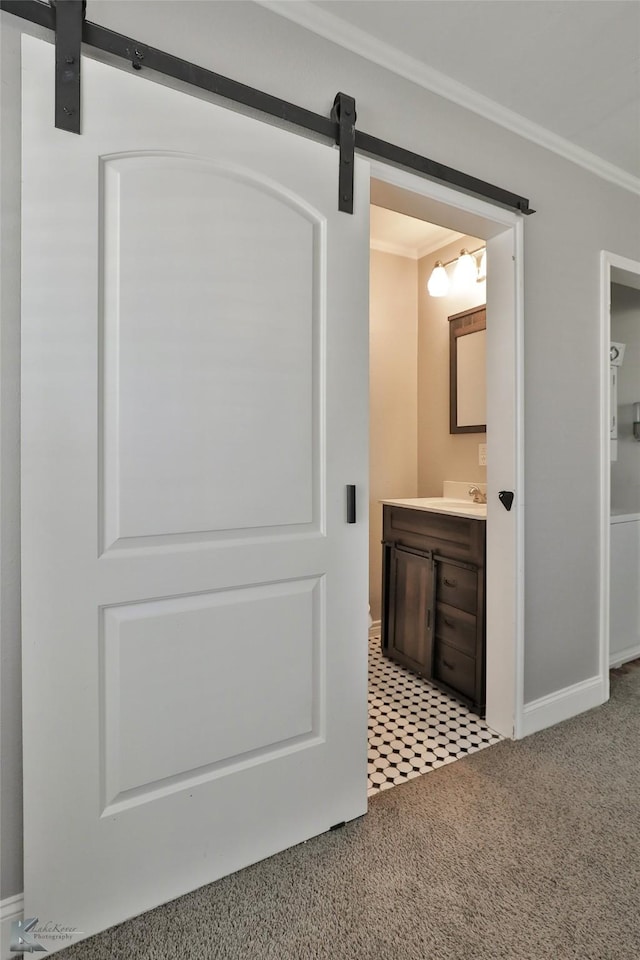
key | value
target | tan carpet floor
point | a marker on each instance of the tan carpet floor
(523, 851)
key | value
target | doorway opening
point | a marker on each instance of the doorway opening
(419, 455)
(427, 444)
(620, 462)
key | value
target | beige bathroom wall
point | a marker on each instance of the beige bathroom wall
(441, 455)
(393, 389)
(625, 328)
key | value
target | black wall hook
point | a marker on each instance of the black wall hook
(506, 498)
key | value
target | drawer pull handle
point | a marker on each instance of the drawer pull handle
(450, 583)
(445, 663)
(449, 623)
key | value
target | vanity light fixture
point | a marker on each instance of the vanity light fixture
(466, 272)
(482, 269)
(438, 283)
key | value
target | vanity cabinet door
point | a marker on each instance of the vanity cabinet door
(410, 610)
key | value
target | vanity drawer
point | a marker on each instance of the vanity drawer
(457, 586)
(457, 628)
(450, 536)
(454, 668)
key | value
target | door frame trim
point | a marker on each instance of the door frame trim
(608, 261)
(508, 720)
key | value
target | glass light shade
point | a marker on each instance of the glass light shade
(466, 271)
(438, 283)
(482, 269)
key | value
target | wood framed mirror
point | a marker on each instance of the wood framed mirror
(467, 371)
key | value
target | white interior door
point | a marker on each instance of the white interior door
(195, 341)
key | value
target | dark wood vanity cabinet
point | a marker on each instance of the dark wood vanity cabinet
(433, 612)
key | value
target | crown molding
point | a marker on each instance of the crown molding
(397, 249)
(413, 252)
(428, 248)
(333, 28)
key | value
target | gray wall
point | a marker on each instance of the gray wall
(578, 215)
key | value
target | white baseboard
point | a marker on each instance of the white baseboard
(374, 629)
(10, 909)
(563, 704)
(623, 656)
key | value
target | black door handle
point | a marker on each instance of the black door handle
(506, 498)
(351, 503)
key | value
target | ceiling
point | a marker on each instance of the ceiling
(563, 72)
(397, 233)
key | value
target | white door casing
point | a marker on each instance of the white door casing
(503, 230)
(505, 471)
(614, 268)
(195, 399)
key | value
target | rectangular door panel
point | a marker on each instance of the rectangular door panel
(187, 290)
(411, 629)
(209, 658)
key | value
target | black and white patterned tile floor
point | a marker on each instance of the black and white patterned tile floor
(413, 726)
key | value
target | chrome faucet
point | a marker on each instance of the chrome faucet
(477, 494)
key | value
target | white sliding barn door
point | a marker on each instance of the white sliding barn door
(195, 340)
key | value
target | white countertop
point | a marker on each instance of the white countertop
(454, 508)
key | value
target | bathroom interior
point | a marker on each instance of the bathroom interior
(428, 509)
(624, 595)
